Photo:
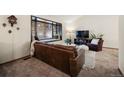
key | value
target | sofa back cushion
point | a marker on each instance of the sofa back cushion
(69, 48)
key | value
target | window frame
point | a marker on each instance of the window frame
(36, 19)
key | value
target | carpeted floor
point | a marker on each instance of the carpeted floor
(106, 66)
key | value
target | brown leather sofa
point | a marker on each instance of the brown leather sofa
(94, 47)
(64, 58)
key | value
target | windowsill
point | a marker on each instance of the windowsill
(50, 40)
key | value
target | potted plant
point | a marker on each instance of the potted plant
(68, 41)
(95, 36)
(100, 36)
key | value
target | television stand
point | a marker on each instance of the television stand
(80, 41)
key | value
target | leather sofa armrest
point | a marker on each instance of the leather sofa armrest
(77, 63)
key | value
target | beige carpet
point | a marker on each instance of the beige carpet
(106, 65)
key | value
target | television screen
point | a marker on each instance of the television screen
(82, 34)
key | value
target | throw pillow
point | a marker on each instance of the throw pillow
(95, 41)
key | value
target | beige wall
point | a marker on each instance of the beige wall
(108, 25)
(16, 44)
(121, 43)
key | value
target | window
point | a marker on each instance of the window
(43, 29)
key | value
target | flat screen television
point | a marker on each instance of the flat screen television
(82, 34)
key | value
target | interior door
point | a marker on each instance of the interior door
(6, 46)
